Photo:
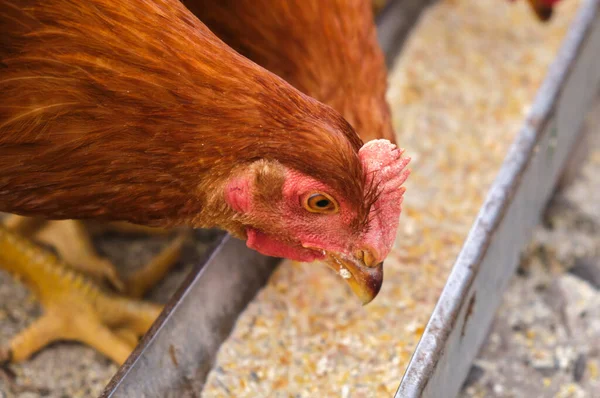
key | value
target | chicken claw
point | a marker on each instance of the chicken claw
(75, 308)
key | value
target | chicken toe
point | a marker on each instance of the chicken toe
(75, 308)
(142, 280)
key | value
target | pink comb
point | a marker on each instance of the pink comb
(383, 161)
(386, 168)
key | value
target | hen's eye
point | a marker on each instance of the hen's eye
(320, 203)
(323, 203)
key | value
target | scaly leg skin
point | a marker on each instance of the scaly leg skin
(75, 308)
(73, 244)
(71, 240)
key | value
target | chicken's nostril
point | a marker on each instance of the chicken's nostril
(367, 257)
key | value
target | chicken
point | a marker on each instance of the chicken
(134, 111)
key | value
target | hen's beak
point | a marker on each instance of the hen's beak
(365, 281)
(543, 11)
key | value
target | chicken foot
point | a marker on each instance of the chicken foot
(73, 244)
(75, 307)
(72, 241)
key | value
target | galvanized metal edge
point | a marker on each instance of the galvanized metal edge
(178, 351)
(489, 257)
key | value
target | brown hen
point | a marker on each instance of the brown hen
(134, 111)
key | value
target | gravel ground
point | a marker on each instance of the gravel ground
(545, 340)
(71, 369)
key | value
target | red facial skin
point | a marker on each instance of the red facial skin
(297, 234)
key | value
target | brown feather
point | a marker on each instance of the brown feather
(326, 49)
(133, 110)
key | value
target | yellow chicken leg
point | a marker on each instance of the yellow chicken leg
(73, 244)
(142, 280)
(70, 238)
(75, 308)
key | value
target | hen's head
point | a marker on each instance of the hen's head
(287, 213)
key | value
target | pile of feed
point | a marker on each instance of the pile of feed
(459, 94)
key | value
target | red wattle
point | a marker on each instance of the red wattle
(270, 246)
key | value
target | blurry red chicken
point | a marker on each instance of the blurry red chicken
(543, 8)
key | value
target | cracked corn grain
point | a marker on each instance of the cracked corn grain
(459, 93)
